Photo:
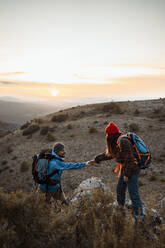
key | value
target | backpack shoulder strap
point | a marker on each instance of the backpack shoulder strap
(120, 138)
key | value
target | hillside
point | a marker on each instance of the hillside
(81, 129)
(18, 112)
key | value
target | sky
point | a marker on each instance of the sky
(82, 49)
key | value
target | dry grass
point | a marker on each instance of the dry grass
(9, 149)
(112, 107)
(24, 166)
(152, 178)
(59, 118)
(92, 223)
(133, 127)
(50, 136)
(92, 129)
(31, 129)
(44, 130)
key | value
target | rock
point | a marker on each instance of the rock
(155, 218)
(87, 187)
(163, 204)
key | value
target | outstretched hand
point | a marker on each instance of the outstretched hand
(91, 162)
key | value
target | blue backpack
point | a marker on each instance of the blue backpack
(142, 152)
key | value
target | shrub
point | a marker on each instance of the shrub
(27, 221)
(31, 129)
(92, 129)
(157, 110)
(4, 133)
(112, 108)
(140, 183)
(44, 130)
(14, 158)
(4, 161)
(24, 166)
(152, 178)
(9, 149)
(27, 124)
(69, 126)
(136, 112)
(133, 127)
(50, 136)
(162, 180)
(59, 118)
(39, 121)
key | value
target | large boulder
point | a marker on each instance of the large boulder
(87, 189)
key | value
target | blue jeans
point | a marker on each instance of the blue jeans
(133, 189)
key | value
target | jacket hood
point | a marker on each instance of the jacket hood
(54, 154)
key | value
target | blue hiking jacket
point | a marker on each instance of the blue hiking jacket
(56, 164)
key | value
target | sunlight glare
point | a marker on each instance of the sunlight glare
(54, 92)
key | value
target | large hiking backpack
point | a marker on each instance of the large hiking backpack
(142, 152)
(40, 167)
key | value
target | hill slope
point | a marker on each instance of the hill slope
(81, 129)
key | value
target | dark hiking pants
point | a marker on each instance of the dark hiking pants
(133, 189)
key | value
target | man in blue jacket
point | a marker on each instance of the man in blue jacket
(57, 165)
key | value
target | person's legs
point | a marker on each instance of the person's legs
(121, 190)
(133, 189)
(59, 195)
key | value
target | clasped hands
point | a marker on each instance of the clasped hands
(90, 162)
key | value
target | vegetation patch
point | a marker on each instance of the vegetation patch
(24, 126)
(50, 136)
(152, 178)
(69, 126)
(27, 221)
(44, 130)
(92, 129)
(133, 127)
(9, 149)
(38, 121)
(136, 112)
(112, 108)
(24, 166)
(59, 118)
(31, 129)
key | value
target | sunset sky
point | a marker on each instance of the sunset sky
(72, 49)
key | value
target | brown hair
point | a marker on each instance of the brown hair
(111, 144)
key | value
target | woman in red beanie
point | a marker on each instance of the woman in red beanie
(129, 170)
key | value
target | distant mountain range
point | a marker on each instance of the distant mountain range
(14, 111)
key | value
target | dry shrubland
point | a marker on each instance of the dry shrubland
(27, 221)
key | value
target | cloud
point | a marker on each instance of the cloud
(11, 73)
(8, 82)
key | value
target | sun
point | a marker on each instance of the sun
(54, 92)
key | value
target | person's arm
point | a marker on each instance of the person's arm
(68, 166)
(102, 157)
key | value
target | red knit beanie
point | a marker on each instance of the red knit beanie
(112, 128)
